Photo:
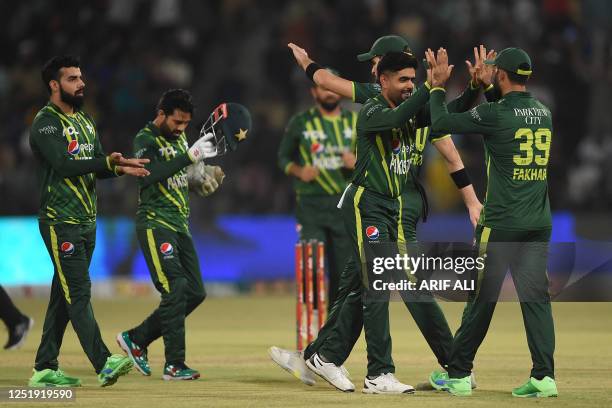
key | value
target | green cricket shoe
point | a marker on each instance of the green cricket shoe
(179, 371)
(116, 366)
(135, 352)
(544, 388)
(52, 378)
(438, 379)
(459, 387)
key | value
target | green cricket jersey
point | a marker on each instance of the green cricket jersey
(364, 91)
(70, 158)
(317, 140)
(385, 137)
(517, 133)
(163, 200)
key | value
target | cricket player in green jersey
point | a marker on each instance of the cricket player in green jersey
(70, 159)
(163, 230)
(426, 313)
(317, 149)
(517, 132)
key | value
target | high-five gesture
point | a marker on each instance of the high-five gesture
(485, 72)
(481, 73)
(440, 70)
(473, 68)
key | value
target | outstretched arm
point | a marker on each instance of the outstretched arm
(376, 117)
(145, 147)
(322, 77)
(50, 143)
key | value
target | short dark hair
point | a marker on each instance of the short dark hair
(175, 99)
(396, 61)
(50, 70)
(515, 78)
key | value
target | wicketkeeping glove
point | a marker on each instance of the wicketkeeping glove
(202, 149)
(203, 179)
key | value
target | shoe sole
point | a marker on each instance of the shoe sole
(460, 394)
(166, 377)
(123, 345)
(50, 385)
(123, 369)
(370, 391)
(536, 395)
(290, 371)
(23, 338)
(316, 371)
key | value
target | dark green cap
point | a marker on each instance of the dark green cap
(383, 45)
(512, 60)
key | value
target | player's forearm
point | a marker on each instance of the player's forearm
(440, 118)
(331, 82)
(293, 169)
(491, 93)
(385, 119)
(468, 195)
(104, 174)
(71, 168)
(450, 154)
(108, 172)
(466, 100)
(161, 170)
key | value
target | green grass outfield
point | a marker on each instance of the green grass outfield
(228, 338)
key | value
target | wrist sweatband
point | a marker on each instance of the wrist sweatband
(311, 69)
(461, 178)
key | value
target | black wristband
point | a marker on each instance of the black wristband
(461, 178)
(311, 69)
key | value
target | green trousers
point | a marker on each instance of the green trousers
(338, 336)
(175, 271)
(318, 218)
(70, 247)
(525, 254)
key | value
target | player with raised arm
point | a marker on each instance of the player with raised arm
(517, 132)
(427, 314)
(67, 148)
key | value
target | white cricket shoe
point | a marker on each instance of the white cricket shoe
(330, 372)
(386, 384)
(293, 362)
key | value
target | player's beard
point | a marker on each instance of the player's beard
(328, 106)
(76, 101)
(496, 87)
(396, 97)
(166, 132)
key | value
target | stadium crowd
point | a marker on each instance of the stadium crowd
(235, 50)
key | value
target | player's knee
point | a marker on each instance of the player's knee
(177, 287)
(198, 297)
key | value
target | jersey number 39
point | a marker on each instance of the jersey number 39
(542, 139)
